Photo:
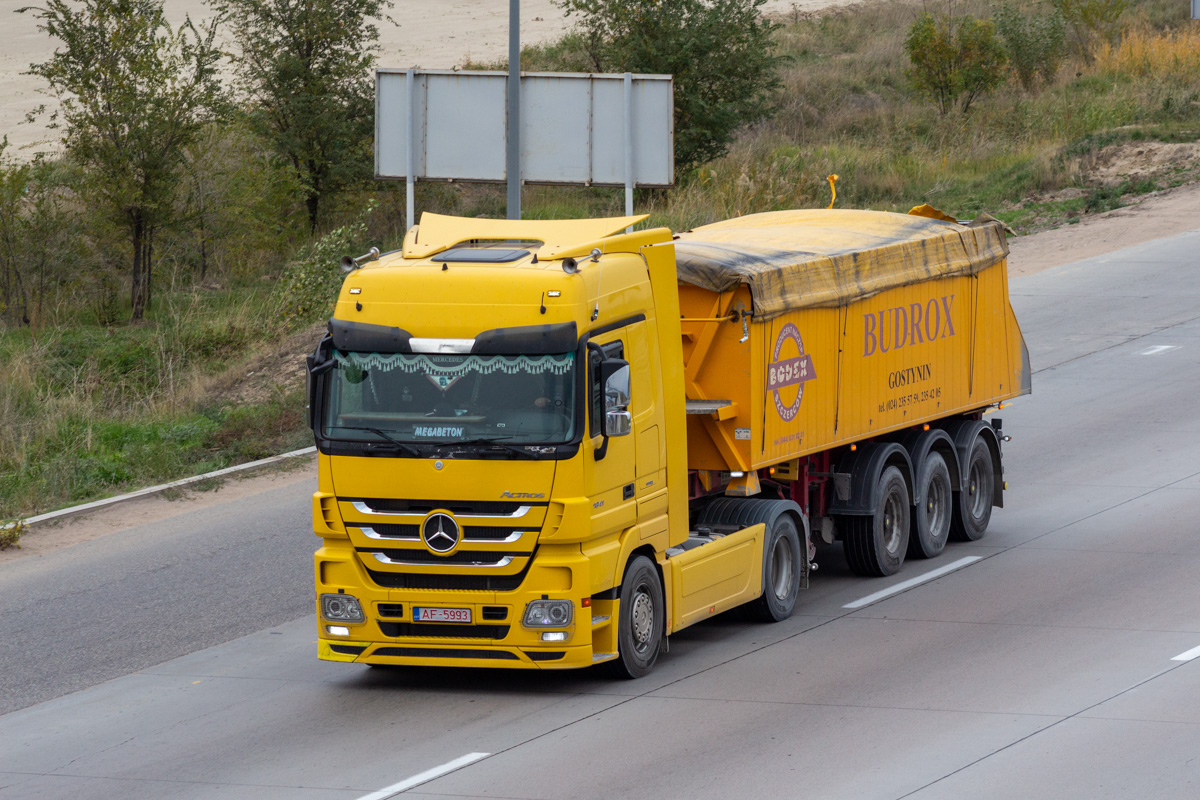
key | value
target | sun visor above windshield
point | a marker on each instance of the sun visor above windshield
(523, 340)
(528, 340)
(365, 338)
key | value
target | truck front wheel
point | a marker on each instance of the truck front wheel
(640, 619)
(876, 544)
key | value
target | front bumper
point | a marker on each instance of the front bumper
(495, 638)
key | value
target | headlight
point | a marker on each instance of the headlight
(548, 614)
(341, 608)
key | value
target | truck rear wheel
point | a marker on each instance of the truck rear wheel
(781, 571)
(931, 517)
(876, 544)
(973, 509)
(639, 620)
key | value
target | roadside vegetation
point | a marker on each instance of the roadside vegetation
(153, 316)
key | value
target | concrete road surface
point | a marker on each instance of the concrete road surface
(1055, 664)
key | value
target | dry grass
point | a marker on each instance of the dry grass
(1144, 53)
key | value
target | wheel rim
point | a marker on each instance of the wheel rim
(975, 493)
(936, 505)
(641, 618)
(892, 531)
(781, 569)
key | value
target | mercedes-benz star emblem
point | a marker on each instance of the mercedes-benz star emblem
(440, 533)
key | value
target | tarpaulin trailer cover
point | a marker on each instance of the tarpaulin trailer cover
(824, 258)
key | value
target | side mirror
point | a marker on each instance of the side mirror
(615, 376)
(316, 364)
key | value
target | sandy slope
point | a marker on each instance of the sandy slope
(432, 35)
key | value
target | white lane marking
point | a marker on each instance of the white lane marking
(1189, 655)
(424, 777)
(911, 582)
(1158, 348)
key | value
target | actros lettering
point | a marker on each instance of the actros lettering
(896, 327)
(524, 495)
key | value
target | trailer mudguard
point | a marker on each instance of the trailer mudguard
(743, 512)
(864, 466)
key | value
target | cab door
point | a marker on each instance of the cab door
(609, 462)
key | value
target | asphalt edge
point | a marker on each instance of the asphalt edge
(153, 490)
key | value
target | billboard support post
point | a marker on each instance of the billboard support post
(410, 203)
(628, 85)
(513, 160)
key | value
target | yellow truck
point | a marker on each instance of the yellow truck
(551, 444)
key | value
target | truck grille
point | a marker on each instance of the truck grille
(449, 631)
(481, 558)
(413, 532)
(395, 531)
(392, 505)
(452, 583)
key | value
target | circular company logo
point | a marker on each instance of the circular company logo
(789, 367)
(440, 532)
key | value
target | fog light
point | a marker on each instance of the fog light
(341, 608)
(548, 614)
(554, 636)
(338, 630)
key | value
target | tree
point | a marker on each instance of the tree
(954, 61)
(39, 242)
(1091, 19)
(135, 94)
(1035, 44)
(721, 53)
(305, 65)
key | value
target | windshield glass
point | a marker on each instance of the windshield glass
(422, 398)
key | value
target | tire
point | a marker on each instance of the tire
(640, 620)
(973, 506)
(875, 545)
(932, 516)
(781, 571)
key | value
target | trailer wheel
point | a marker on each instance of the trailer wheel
(931, 517)
(875, 545)
(640, 620)
(973, 511)
(781, 571)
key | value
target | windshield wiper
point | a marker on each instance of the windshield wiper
(408, 448)
(490, 441)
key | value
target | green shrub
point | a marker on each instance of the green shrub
(1035, 45)
(310, 284)
(10, 534)
(954, 61)
(1091, 20)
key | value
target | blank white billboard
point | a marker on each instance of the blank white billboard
(573, 127)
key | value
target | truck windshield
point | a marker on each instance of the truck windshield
(451, 398)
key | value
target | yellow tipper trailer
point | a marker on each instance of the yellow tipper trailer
(548, 444)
